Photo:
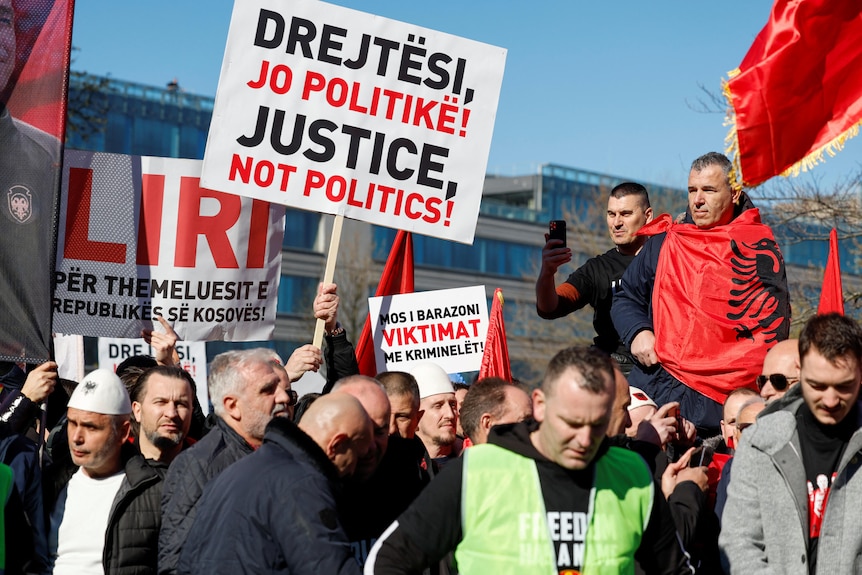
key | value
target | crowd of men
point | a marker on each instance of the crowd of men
(688, 438)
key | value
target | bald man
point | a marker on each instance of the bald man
(274, 511)
(730, 411)
(780, 370)
(374, 400)
(386, 480)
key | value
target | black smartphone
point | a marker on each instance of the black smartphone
(557, 231)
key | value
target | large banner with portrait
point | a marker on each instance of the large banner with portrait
(328, 109)
(36, 36)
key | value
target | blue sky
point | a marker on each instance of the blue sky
(605, 86)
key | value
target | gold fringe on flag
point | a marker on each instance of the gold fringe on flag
(816, 157)
(731, 143)
(807, 163)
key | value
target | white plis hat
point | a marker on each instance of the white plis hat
(639, 398)
(101, 391)
(432, 379)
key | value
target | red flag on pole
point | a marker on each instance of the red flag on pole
(34, 61)
(397, 278)
(495, 359)
(832, 295)
(798, 91)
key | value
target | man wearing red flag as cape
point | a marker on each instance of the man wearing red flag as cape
(704, 300)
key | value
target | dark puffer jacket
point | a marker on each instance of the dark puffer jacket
(132, 537)
(185, 481)
(272, 512)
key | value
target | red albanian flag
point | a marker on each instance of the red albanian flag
(397, 278)
(798, 91)
(832, 294)
(495, 358)
(720, 301)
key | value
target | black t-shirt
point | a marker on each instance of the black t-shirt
(431, 527)
(822, 447)
(596, 282)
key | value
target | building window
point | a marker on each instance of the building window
(300, 229)
(485, 255)
(296, 295)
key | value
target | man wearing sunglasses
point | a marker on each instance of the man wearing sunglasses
(793, 498)
(780, 370)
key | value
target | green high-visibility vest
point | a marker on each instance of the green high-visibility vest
(505, 526)
(6, 480)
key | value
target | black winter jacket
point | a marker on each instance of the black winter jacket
(272, 512)
(132, 537)
(185, 481)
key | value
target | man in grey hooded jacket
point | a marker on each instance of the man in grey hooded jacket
(793, 500)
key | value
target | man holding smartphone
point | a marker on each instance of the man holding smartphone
(594, 282)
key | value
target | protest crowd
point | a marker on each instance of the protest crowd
(654, 450)
(694, 435)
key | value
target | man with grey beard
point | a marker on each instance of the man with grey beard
(247, 389)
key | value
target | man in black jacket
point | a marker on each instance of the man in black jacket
(596, 280)
(275, 511)
(162, 405)
(247, 388)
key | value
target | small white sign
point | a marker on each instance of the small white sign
(446, 327)
(193, 359)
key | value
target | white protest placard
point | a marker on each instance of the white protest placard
(193, 359)
(69, 355)
(332, 110)
(139, 237)
(447, 327)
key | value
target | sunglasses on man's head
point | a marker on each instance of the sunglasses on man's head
(779, 382)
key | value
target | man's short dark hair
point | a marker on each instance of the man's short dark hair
(139, 388)
(833, 336)
(595, 367)
(487, 395)
(139, 361)
(631, 189)
(398, 383)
